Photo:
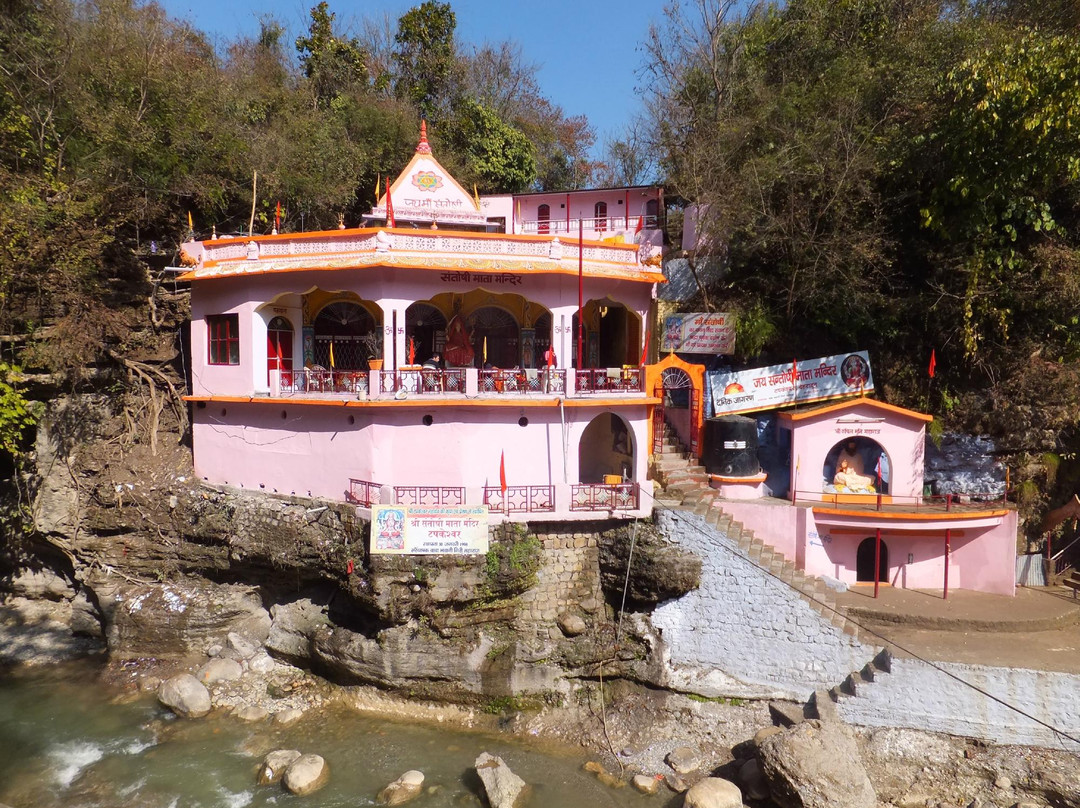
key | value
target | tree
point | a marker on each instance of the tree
(426, 57)
(333, 63)
(498, 155)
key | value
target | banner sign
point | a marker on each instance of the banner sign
(777, 386)
(705, 333)
(429, 529)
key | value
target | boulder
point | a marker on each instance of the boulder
(645, 784)
(659, 569)
(306, 774)
(262, 662)
(288, 716)
(219, 670)
(405, 788)
(251, 713)
(714, 792)
(816, 764)
(292, 628)
(503, 788)
(239, 647)
(185, 695)
(571, 625)
(274, 765)
(753, 780)
(683, 760)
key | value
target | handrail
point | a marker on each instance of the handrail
(883, 500)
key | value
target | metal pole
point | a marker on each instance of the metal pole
(877, 562)
(948, 550)
(580, 295)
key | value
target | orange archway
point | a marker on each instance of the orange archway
(655, 375)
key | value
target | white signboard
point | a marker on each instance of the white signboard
(778, 386)
(704, 333)
(429, 529)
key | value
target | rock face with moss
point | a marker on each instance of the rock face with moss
(658, 569)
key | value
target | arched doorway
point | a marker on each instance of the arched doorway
(600, 216)
(541, 340)
(856, 465)
(279, 349)
(679, 405)
(864, 561)
(612, 336)
(606, 450)
(339, 331)
(499, 331)
(543, 219)
(426, 325)
(652, 214)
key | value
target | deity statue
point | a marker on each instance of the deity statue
(459, 351)
(847, 477)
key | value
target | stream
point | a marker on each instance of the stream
(67, 740)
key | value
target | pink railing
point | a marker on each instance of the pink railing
(520, 498)
(527, 381)
(308, 380)
(598, 497)
(422, 381)
(363, 492)
(429, 495)
(603, 224)
(884, 500)
(610, 380)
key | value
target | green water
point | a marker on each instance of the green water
(66, 741)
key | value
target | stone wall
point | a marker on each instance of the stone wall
(918, 695)
(568, 578)
(745, 632)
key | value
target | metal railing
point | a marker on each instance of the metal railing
(520, 498)
(599, 497)
(364, 492)
(882, 500)
(429, 495)
(1059, 564)
(602, 224)
(626, 379)
(309, 380)
(527, 381)
(422, 381)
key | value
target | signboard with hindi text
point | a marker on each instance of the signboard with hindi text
(829, 377)
(429, 529)
(703, 332)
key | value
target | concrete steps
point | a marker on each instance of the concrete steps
(824, 704)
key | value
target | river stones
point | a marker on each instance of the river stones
(405, 788)
(251, 713)
(185, 695)
(684, 760)
(571, 624)
(262, 662)
(288, 716)
(220, 670)
(503, 788)
(816, 764)
(239, 647)
(714, 792)
(306, 774)
(645, 784)
(274, 765)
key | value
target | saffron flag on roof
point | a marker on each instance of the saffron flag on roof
(933, 362)
(378, 186)
(390, 209)
(645, 350)
(502, 472)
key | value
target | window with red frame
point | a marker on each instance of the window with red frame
(224, 338)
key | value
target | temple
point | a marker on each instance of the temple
(434, 355)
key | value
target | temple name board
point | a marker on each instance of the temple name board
(829, 377)
(702, 332)
(429, 529)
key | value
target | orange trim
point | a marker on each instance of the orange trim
(428, 402)
(756, 479)
(913, 516)
(903, 532)
(846, 405)
(653, 375)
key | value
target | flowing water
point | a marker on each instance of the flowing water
(66, 741)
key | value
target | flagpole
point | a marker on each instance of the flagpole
(580, 295)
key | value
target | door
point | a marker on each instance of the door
(279, 350)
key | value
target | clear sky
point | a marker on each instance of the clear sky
(588, 53)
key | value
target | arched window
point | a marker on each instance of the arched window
(600, 216)
(543, 219)
(652, 214)
(279, 349)
(339, 329)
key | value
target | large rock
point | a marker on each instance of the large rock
(219, 670)
(274, 765)
(683, 760)
(659, 570)
(714, 792)
(503, 788)
(306, 774)
(185, 695)
(405, 788)
(816, 764)
(293, 627)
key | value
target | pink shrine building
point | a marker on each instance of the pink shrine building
(837, 511)
(423, 362)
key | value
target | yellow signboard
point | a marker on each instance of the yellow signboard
(429, 529)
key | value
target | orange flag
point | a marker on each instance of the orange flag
(645, 350)
(794, 373)
(502, 472)
(390, 222)
(933, 362)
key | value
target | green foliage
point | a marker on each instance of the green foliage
(425, 56)
(332, 63)
(499, 156)
(16, 414)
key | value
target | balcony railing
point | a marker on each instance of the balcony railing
(429, 495)
(423, 381)
(598, 497)
(610, 380)
(307, 380)
(529, 380)
(363, 492)
(520, 498)
(602, 225)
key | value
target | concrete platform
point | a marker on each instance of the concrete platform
(1039, 628)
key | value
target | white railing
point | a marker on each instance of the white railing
(593, 226)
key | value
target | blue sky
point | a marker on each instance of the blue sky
(588, 53)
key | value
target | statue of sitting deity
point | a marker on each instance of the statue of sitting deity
(459, 350)
(850, 479)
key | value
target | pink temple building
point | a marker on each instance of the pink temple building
(422, 362)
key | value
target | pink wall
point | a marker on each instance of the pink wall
(312, 449)
(582, 204)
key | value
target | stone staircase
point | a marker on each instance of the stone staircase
(823, 703)
(686, 486)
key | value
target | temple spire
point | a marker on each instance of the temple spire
(423, 147)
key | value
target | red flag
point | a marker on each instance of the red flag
(390, 210)
(640, 224)
(277, 216)
(549, 355)
(644, 350)
(794, 373)
(933, 362)
(502, 472)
